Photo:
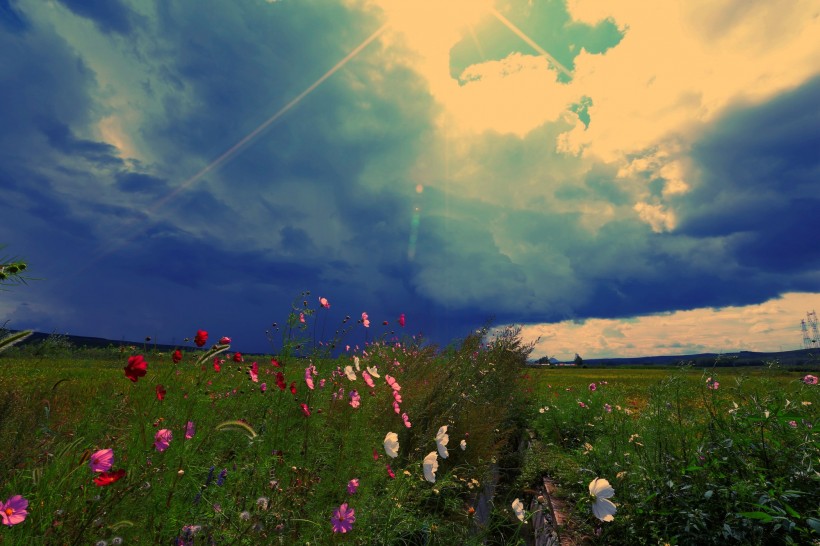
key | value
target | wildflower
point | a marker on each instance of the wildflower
(355, 399)
(397, 396)
(608, 408)
(602, 507)
(374, 371)
(190, 429)
(442, 438)
(430, 466)
(581, 405)
(406, 419)
(357, 362)
(392, 382)
(343, 518)
(280, 381)
(160, 392)
(253, 372)
(305, 409)
(107, 478)
(351, 375)
(309, 377)
(275, 363)
(102, 460)
(136, 368)
(162, 439)
(365, 320)
(177, 356)
(201, 338)
(463, 445)
(324, 303)
(224, 340)
(237, 357)
(793, 424)
(13, 511)
(217, 364)
(810, 380)
(367, 379)
(402, 320)
(302, 318)
(293, 388)
(390, 472)
(262, 503)
(712, 384)
(244, 515)
(375, 455)
(221, 478)
(593, 387)
(396, 407)
(518, 508)
(352, 486)
(263, 387)
(391, 445)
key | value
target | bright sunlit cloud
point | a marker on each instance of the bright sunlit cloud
(770, 326)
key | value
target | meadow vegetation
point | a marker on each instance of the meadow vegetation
(395, 441)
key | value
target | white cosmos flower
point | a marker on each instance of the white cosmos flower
(391, 444)
(356, 362)
(518, 508)
(374, 371)
(463, 445)
(350, 373)
(602, 507)
(430, 466)
(442, 439)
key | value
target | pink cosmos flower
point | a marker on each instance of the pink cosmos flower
(793, 424)
(305, 409)
(162, 439)
(237, 357)
(406, 420)
(582, 405)
(712, 384)
(324, 303)
(593, 387)
(810, 380)
(352, 486)
(392, 382)
(13, 511)
(355, 399)
(302, 318)
(224, 340)
(368, 379)
(102, 460)
(375, 455)
(263, 387)
(343, 518)
(397, 396)
(177, 356)
(365, 320)
(396, 407)
(275, 363)
(391, 473)
(190, 430)
(401, 320)
(608, 408)
(309, 377)
(201, 338)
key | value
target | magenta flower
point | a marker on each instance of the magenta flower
(402, 320)
(365, 320)
(162, 439)
(309, 377)
(810, 380)
(225, 340)
(406, 420)
(392, 382)
(263, 387)
(608, 408)
(793, 424)
(302, 318)
(13, 511)
(355, 399)
(712, 384)
(368, 379)
(397, 396)
(352, 486)
(190, 430)
(102, 460)
(305, 409)
(343, 518)
(396, 407)
(593, 387)
(324, 303)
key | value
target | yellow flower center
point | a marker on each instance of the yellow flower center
(9, 511)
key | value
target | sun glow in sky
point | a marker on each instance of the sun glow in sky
(612, 175)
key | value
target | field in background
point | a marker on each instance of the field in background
(695, 456)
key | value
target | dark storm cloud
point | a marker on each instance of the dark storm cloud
(110, 16)
(758, 190)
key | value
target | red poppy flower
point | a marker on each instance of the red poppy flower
(177, 356)
(107, 478)
(201, 338)
(136, 368)
(280, 381)
(237, 357)
(293, 388)
(160, 392)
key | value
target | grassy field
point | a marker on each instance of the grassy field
(281, 452)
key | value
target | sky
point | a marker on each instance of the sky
(619, 178)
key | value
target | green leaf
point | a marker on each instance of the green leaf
(762, 516)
